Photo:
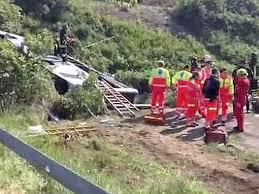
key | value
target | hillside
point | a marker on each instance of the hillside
(122, 156)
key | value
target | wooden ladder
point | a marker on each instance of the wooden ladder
(121, 104)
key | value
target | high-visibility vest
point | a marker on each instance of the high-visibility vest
(160, 78)
(181, 78)
(226, 85)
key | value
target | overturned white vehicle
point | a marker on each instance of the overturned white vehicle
(71, 73)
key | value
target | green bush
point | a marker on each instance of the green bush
(81, 101)
(10, 16)
(228, 28)
(25, 79)
(134, 46)
(50, 10)
(126, 3)
(137, 80)
(224, 46)
(41, 43)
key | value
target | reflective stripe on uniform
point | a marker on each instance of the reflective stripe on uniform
(182, 86)
(191, 105)
(212, 108)
(158, 85)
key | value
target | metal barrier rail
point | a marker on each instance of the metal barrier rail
(63, 175)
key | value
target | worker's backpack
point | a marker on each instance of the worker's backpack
(216, 135)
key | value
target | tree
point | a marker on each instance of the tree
(49, 10)
(10, 16)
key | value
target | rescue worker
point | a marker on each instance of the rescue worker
(206, 71)
(63, 35)
(56, 48)
(241, 91)
(211, 94)
(240, 65)
(251, 79)
(226, 93)
(194, 64)
(192, 97)
(252, 65)
(234, 76)
(200, 83)
(180, 80)
(159, 82)
(244, 65)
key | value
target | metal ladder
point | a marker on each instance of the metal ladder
(121, 104)
(74, 130)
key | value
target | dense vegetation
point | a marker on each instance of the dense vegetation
(118, 169)
(228, 28)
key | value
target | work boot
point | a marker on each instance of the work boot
(240, 131)
(236, 130)
(191, 123)
(181, 117)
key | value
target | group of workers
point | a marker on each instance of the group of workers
(204, 90)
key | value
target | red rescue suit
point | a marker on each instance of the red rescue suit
(192, 97)
(181, 80)
(212, 110)
(226, 94)
(211, 93)
(242, 87)
(182, 88)
(201, 104)
(159, 82)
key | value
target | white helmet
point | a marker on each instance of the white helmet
(207, 58)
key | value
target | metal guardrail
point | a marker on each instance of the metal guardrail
(63, 175)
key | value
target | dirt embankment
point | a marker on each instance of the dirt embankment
(223, 174)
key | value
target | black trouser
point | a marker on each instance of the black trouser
(247, 101)
(247, 104)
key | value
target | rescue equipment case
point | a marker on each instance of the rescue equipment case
(216, 135)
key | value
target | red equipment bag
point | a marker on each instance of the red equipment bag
(217, 135)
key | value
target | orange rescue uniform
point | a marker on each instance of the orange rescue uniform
(226, 95)
(159, 81)
(192, 97)
(181, 80)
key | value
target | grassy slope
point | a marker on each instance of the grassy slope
(116, 168)
(113, 167)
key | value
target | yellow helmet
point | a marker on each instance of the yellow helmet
(242, 72)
